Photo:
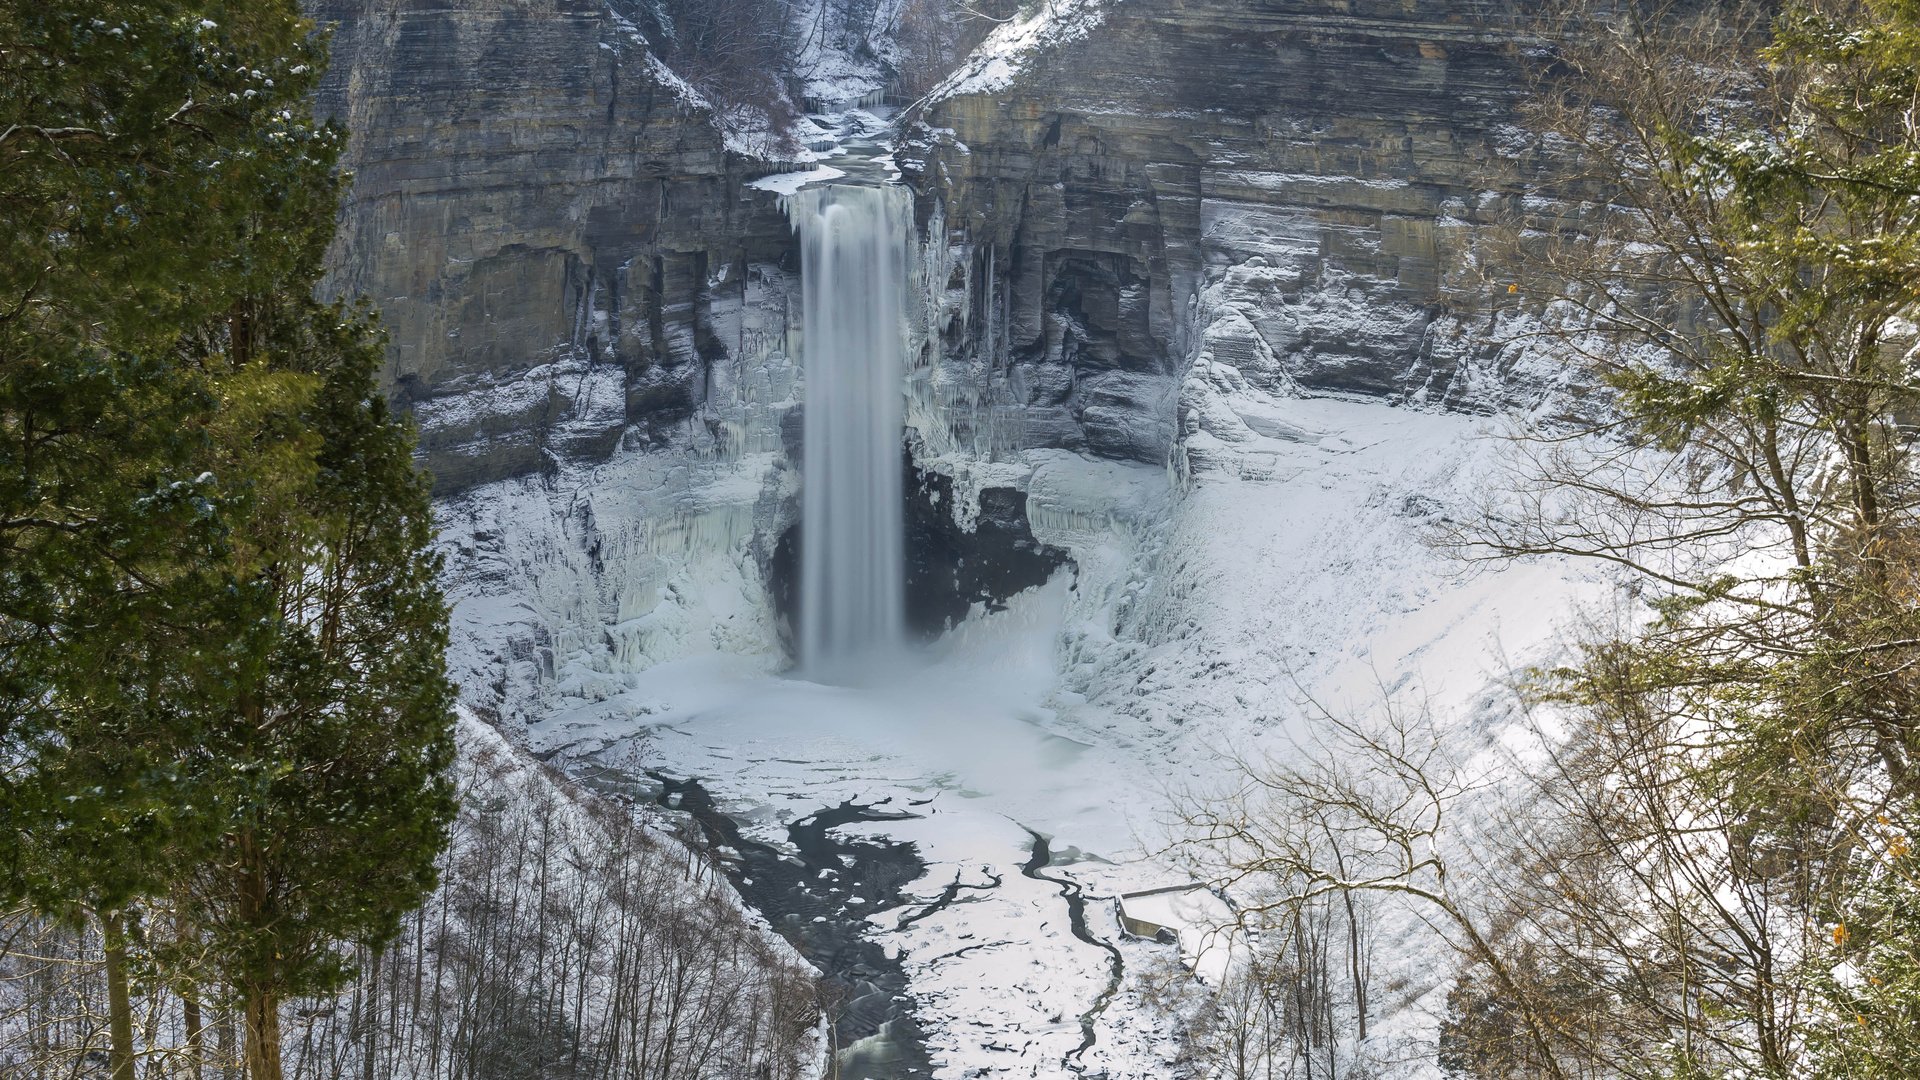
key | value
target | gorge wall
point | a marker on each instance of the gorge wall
(550, 223)
(1305, 192)
(1142, 221)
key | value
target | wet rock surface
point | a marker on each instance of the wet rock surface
(951, 566)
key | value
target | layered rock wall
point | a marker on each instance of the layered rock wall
(1133, 242)
(1303, 190)
(549, 223)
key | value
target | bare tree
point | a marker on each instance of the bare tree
(734, 53)
(568, 939)
(1615, 913)
(933, 36)
(1364, 811)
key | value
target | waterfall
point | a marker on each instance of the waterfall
(854, 244)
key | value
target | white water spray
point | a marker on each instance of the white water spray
(853, 241)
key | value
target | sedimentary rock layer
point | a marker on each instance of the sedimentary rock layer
(545, 218)
(1302, 189)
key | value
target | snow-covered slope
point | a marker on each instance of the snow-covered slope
(570, 928)
(1036, 29)
(1208, 604)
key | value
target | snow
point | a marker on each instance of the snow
(999, 979)
(842, 50)
(786, 183)
(1014, 45)
(1207, 928)
(1269, 181)
(671, 80)
(595, 863)
(1209, 604)
(745, 130)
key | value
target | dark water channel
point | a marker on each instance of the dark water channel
(1036, 868)
(819, 897)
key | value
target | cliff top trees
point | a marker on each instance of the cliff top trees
(935, 35)
(1748, 277)
(733, 52)
(1742, 259)
(220, 641)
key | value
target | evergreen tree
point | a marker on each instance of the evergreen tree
(129, 156)
(220, 642)
(342, 736)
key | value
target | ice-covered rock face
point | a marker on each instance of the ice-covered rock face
(552, 227)
(568, 581)
(1305, 191)
(1142, 229)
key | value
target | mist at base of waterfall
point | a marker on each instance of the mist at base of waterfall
(969, 713)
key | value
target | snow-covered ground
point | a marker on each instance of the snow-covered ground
(1207, 607)
(1280, 565)
(1013, 45)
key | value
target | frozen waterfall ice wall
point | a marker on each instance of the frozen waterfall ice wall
(854, 243)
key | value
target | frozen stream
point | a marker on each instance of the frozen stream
(835, 894)
(946, 861)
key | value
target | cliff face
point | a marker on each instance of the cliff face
(552, 228)
(1300, 190)
(1137, 237)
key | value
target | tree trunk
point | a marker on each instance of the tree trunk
(1354, 967)
(263, 1035)
(372, 1017)
(228, 1055)
(190, 1015)
(119, 1000)
(196, 1030)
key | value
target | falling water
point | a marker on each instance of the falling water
(853, 241)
